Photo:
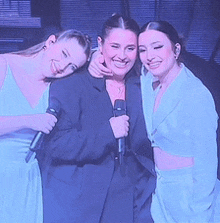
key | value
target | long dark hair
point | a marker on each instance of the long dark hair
(168, 30)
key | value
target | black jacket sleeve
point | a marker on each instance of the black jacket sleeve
(69, 140)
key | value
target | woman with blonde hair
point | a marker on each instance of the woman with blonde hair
(24, 92)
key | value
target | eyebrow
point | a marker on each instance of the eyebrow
(74, 65)
(155, 42)
(141, 46)
(67, 52)
(150, 44)
(120, 44)
(114, 43)
(131, 45)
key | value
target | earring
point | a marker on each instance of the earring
(176, 53)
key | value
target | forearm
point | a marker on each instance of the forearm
(12, 123)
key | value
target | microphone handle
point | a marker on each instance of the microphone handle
(29, 155)
(121, 145)
(121, 149)
(53, 109)
(36, 142)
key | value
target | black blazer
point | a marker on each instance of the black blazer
(81, 179)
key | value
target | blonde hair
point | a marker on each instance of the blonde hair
(83, 40)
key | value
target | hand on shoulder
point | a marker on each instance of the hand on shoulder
(96, 66)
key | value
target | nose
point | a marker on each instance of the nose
(122, 54)
(150, 55)
(63, 64)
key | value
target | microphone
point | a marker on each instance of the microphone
(119, 110)
(53, 109)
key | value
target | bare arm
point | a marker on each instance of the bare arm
(38, 122)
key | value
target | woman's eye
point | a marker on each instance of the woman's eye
(158, 47)
(65, 55)
(74, 68)
(141, 50)
(115, 46)
(131, 48)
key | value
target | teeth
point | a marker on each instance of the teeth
(120, 64)
(55, 68)
(154, 65)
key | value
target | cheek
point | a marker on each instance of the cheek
(142, 57)
(133, 55)
(108, 52)
(170, 57)
(54, 54)
(133, 59)
(167, 53)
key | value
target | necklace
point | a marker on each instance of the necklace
(116, 90)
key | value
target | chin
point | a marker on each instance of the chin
(120, 75)
(156, 72)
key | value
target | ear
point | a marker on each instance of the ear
(51, 40)
(177, 49)
(99, 41)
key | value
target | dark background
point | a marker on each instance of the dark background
(27, 22)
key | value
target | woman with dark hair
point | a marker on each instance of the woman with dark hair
(85, 178)
(24, 94)
(181, 122)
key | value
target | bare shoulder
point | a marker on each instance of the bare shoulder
(3, 61)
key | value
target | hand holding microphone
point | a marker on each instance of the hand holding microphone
(120, 126)
(48, 122)
(41, 122)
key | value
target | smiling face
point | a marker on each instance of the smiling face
(157, 53)
(62, 58)
(119, 50)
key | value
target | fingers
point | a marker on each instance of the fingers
(99, 70)
(49, 123)
(95, 72)
(120, 126)
(96, 66)
(42, 122)
(101, 67)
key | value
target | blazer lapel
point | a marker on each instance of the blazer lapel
(100, 85)
(132, 96)
(170, 100)
(148, 98)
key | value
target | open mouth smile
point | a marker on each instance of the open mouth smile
(120, 64)
(54, 69)
(153, 65)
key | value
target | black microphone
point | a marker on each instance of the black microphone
(119, 110)
(53, 109)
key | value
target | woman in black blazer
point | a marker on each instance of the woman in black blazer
(83, 180)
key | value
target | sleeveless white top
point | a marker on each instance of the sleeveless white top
(20, 182)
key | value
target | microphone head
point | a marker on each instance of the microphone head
(119, 107)
(54, 107)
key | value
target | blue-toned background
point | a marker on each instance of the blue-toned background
(26, 22)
